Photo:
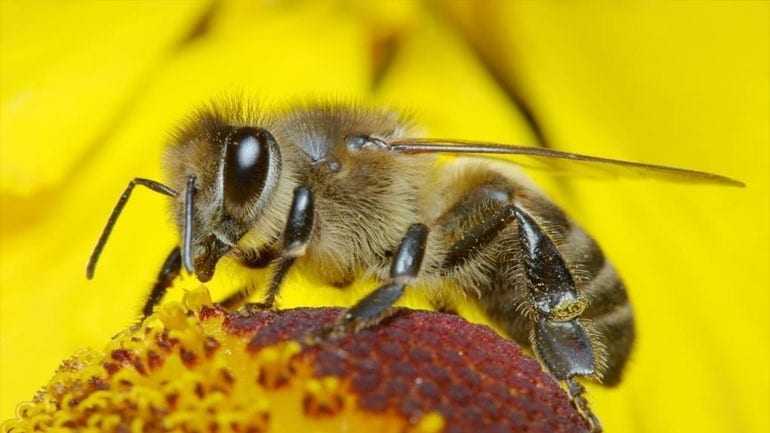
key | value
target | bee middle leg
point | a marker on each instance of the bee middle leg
(404, 268)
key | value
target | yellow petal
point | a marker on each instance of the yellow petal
(70, 73)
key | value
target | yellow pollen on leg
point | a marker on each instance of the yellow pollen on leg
(569, 309)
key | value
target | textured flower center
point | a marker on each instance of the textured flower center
(199, 368)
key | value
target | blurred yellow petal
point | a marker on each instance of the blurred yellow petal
(68, 72)
(436, 75)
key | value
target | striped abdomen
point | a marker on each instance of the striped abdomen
(485, 254)
(608, 317)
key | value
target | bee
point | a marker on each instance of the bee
(350, 191)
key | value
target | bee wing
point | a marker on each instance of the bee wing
(555, 160)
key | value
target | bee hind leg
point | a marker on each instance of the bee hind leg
(564, 350)
(576, 393)
(559, 339)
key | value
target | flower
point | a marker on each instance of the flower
(196, 367)
(88, 92)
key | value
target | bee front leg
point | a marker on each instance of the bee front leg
(296, 235)
(168, 272)
(403, 270)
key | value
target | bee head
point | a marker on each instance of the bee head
(225, 174)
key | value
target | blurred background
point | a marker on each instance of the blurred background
(90, 91)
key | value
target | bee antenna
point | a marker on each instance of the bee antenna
(187, 228)
(116, 211)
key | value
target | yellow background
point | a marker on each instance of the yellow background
(89, 92)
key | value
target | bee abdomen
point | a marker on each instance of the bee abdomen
(615, 331)
(594, 275)
(605, 293)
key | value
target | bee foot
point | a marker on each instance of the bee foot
(253, 307)
(576, 393)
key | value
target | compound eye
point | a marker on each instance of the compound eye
(246, 164)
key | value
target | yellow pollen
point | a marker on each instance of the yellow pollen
(568, 310)
(196, 298)
(275, 363)
(173, 315)
(432, 422)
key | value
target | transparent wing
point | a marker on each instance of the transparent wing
(557, 161)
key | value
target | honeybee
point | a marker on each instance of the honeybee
(350, 190)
